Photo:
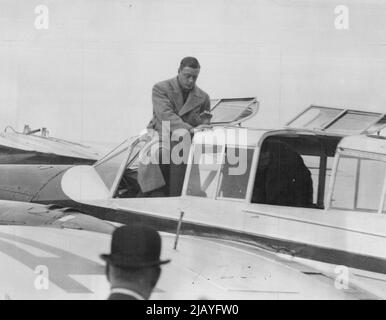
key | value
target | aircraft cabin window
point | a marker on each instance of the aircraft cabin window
(204, 170)
(371, 179)
(358, 184)
(109, 168)
(384, 205)
(235, 173)
(344, 189)
(294, 170)
(313, 164)
(282, 176)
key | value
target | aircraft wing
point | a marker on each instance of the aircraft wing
(19, 148)
(50, 263)
(204, 268)
(32, 214)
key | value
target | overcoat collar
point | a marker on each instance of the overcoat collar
(195, 98)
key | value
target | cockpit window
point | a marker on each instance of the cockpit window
(235, 173)
(135, 149)
(218, 173)
(204, 171)
(358, 185)
(108, 169)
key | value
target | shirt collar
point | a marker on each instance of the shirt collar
(128, 292)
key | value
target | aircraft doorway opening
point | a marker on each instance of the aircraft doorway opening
(294, 170)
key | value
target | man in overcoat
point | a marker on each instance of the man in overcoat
(179, 108)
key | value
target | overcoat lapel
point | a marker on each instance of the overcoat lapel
(193, 100)
(177, 95)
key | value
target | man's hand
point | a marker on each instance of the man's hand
(201, 127)
(205, 117)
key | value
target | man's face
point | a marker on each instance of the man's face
(188, 77)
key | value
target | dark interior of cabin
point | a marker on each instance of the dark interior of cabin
(294, 170)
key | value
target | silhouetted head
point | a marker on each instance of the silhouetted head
(134, 261)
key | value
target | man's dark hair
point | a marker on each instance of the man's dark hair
(190, 62)
(133, 273)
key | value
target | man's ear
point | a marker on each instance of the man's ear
(156, 274)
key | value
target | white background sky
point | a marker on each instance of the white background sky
(88, 77)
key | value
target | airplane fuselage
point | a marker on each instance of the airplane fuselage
(325, 229)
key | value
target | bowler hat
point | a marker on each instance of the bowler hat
(135, 246)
